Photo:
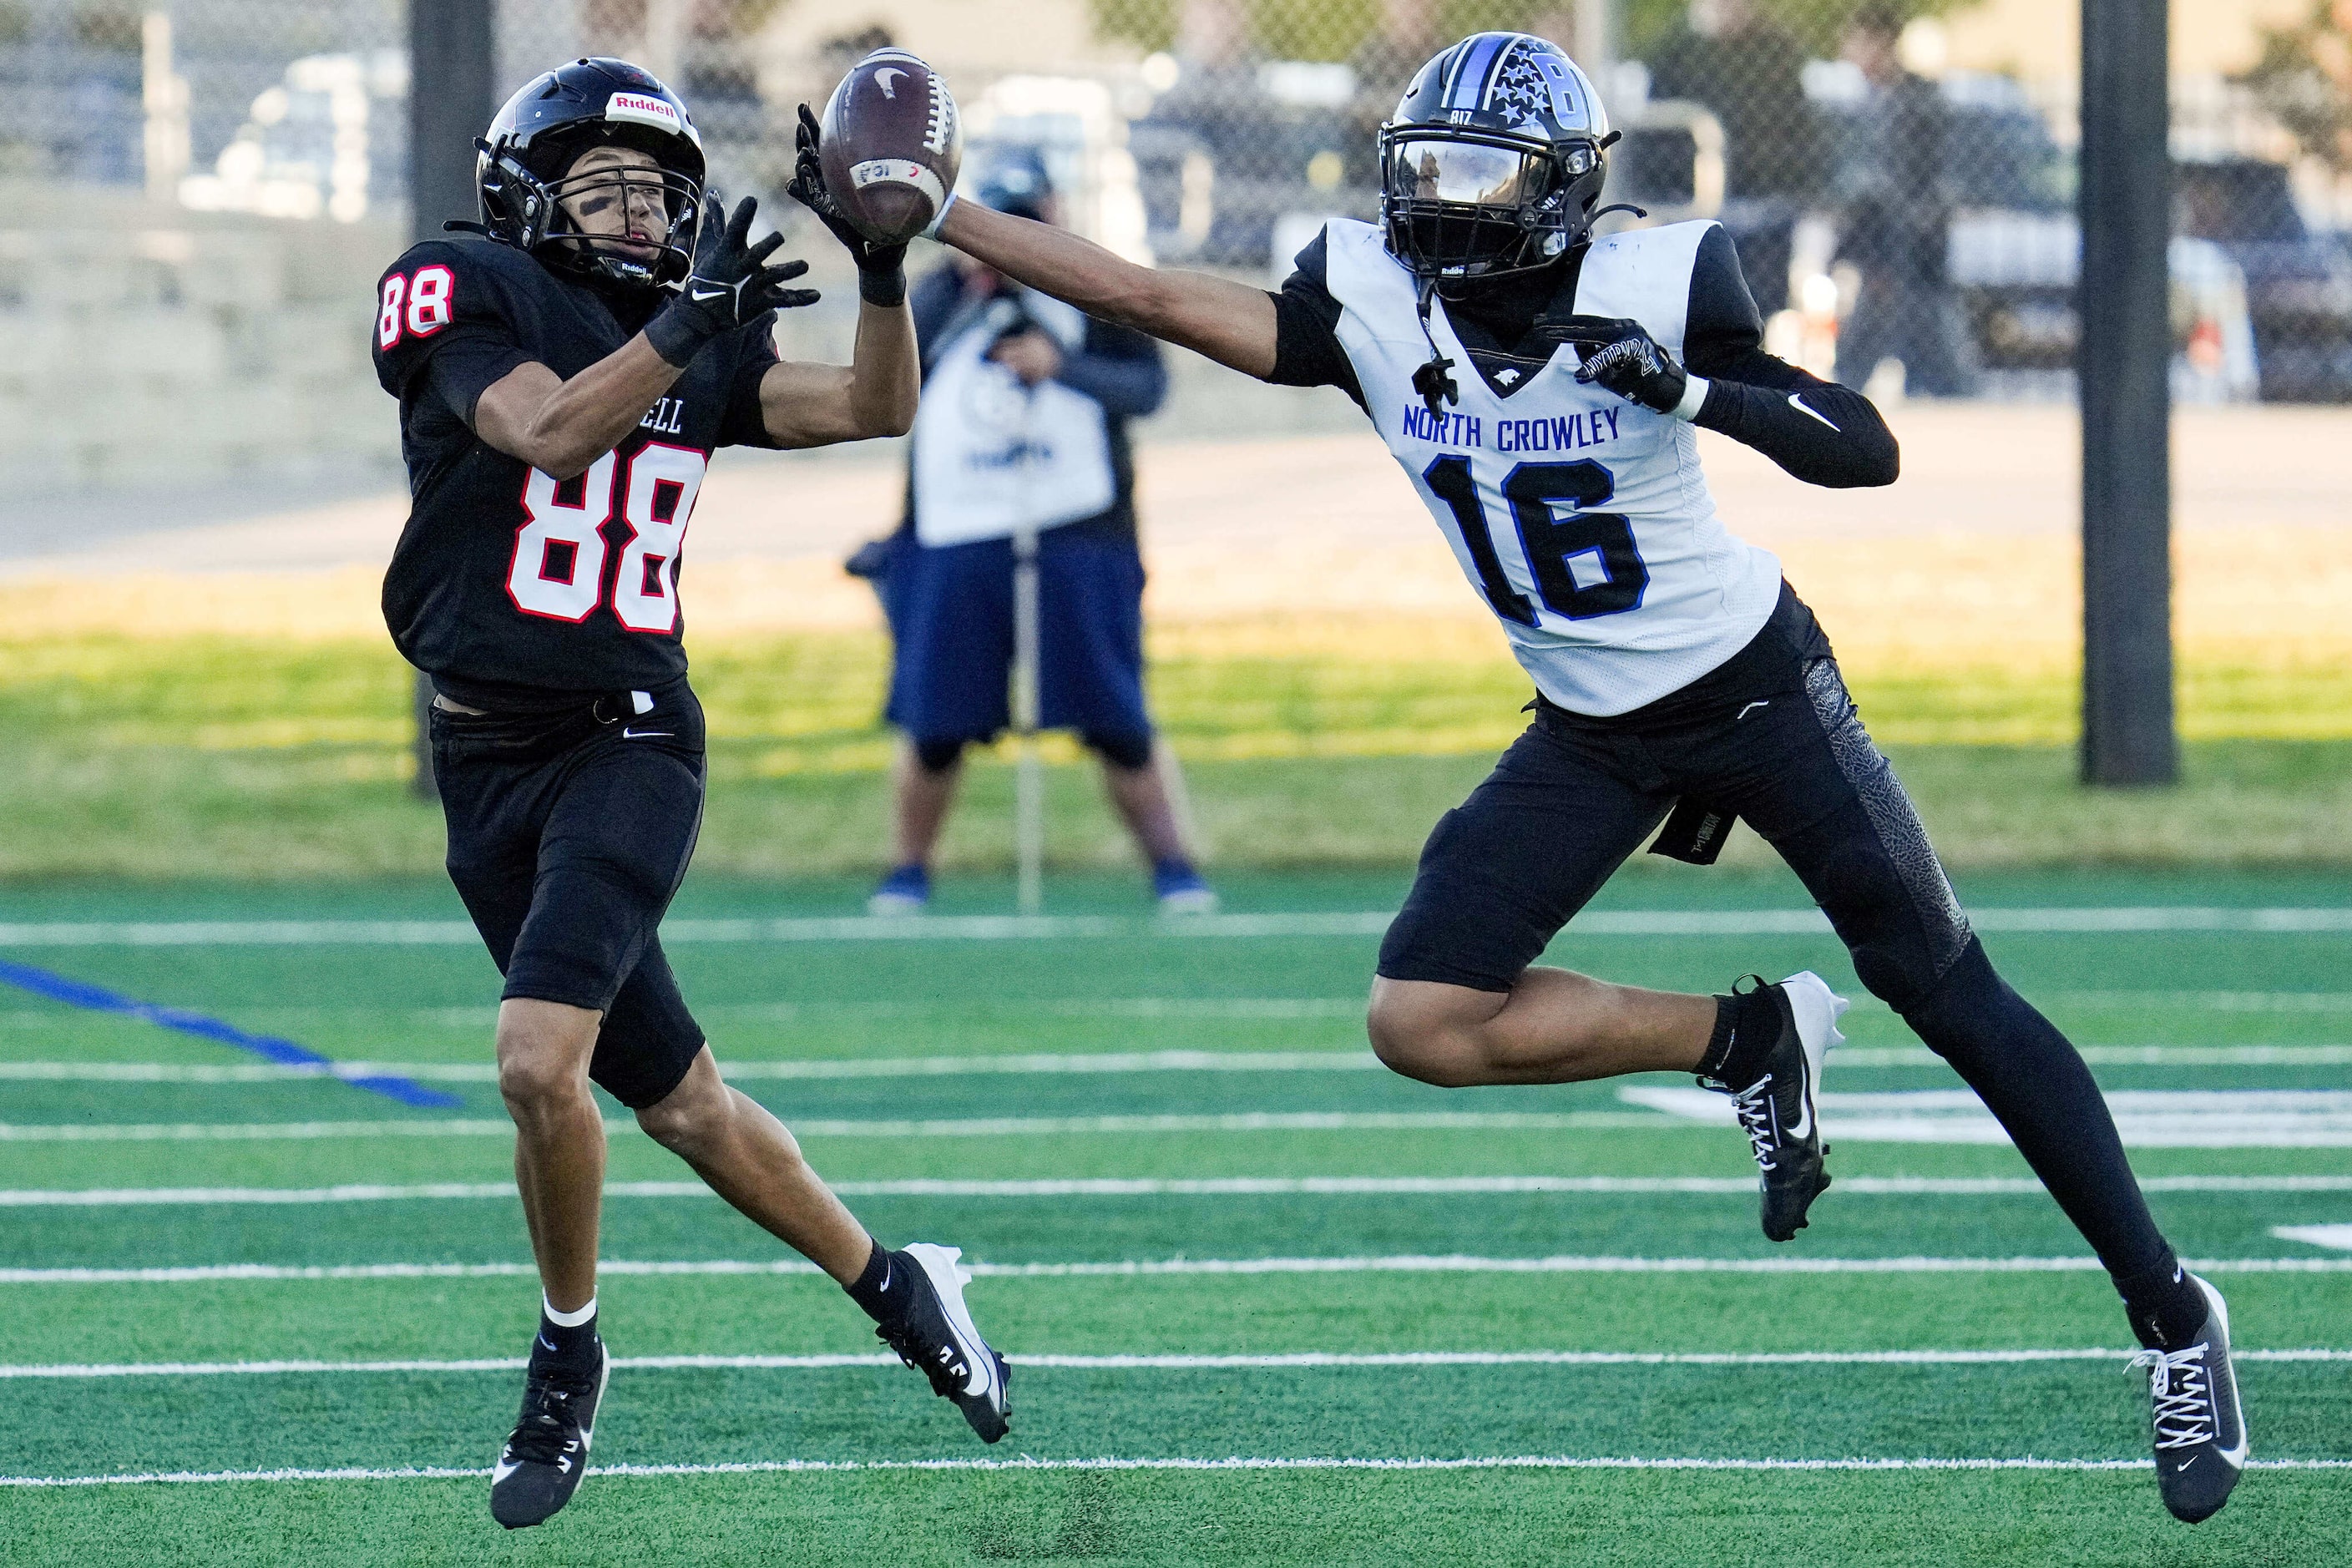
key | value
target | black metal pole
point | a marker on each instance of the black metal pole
(2125, 366)
(452, 86)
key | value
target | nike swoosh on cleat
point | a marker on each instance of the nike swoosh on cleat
(505, 1467)
(1804, 1127)
(641, 736)
(1797, 401)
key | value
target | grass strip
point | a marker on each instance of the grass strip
(270, 760)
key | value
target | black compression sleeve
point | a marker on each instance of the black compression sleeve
(1822, 433)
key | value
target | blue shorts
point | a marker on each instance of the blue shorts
(951, 612)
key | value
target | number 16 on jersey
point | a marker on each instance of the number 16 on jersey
(1584, 563)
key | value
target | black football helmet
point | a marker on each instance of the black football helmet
(522, 172)
(1493, 161)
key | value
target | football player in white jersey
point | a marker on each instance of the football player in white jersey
(1539, 385)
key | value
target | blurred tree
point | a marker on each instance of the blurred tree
(2304, 76)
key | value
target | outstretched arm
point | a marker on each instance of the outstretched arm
(1230, 322)
(874, 394)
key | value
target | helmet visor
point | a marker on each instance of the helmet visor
(1467, 174)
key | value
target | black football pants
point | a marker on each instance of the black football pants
(568, 834)
(1773, 737)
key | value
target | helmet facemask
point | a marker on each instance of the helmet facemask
(1463, 205)
(540, 211)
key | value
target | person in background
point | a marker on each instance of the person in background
(1024, 414)
(1749, 72)
(1895, 219)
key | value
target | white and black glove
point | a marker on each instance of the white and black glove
(732, 286)
(881, 268)
(1621, 356)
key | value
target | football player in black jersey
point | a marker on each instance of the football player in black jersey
(1539, 384)
(565, 373)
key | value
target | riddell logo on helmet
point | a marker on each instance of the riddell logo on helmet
(638, 106)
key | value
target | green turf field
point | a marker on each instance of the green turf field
(1266, 1302)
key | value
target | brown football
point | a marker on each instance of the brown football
(891, 144)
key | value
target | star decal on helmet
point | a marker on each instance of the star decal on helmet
(1519, 90)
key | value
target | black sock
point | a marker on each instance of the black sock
(2164, 1304)
(572, 1344)
(1746, 1027)
(885, 1289)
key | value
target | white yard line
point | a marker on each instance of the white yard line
(2144, 918)
(1238, 1462)
(2209, 1000)
(2097, 1055)
(1069, 1064)
(1145, 1267)
(980, 1127)
(1152, 1186)
(2145, 1119)
(1058, 1065)
(1277, 1361)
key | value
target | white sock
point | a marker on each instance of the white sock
(567, 1320)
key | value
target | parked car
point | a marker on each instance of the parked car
(2298, 283)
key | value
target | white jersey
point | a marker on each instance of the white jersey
(1582, 518)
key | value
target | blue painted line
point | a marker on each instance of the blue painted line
(270, 1047)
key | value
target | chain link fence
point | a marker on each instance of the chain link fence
(203, 188)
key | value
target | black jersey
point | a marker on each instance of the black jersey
(506, 581)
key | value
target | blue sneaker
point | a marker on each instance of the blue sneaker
(906, 891)
(1181, 890)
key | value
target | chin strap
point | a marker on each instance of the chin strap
(1433, 380)
(467, 225)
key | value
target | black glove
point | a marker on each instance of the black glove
(732, 285)
(881, 268)
(1622, 357)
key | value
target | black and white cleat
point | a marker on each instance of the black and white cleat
(540, 1467)
(936, 1337)
(1779, 1112)
(2199, 1425)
